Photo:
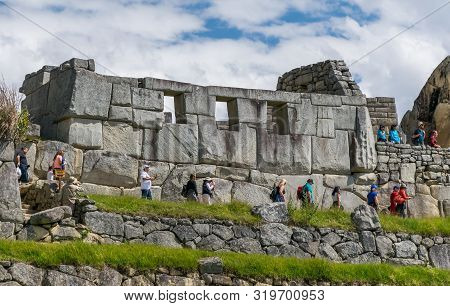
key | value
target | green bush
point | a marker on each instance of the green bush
(13, 123)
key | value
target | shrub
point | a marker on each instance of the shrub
(13, 123)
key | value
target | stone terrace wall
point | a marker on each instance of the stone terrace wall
(328, 77)
(111, 126)
(11, 216)
(425, 171)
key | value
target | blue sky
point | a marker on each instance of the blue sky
(242, 43)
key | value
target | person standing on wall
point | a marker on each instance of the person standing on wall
(418, 137)
(394, 137)
(59, 167)
(381, 134)
(207, 190)
(21, 162)
(372, 197)
(146, 183)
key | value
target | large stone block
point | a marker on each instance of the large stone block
(354, 100)
(121, 95)
(249, 193)
(120, 113)
(440, 256)
(210, 151)
(243, 111)
(173, 185)
(440, 192)
(149, 144)
(34, 82)
(198, 102)
(408, 173)
(100, 189)
(325, 128)
(81, 133)
(349, 200)
(274, 152)
(222, 192)
(10, 207)
(148, 119)
(303, 118)
(178, 143)
(363, 155)
(45, 152)
(6, 151)
(345, 117)
(147, 99)
(110, 169)
(104, 223)
(241, 146)
(160, 169)
(325, 100)
(423, 206)
(122, 138)
(36, 105)
(169, 87)
(331, 156)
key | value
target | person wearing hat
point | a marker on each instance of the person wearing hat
(372, 197)
(146, 183)
(207, 190)
(401, 201)
(418, 137)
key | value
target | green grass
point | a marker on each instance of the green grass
(241, 213)
(144, 257)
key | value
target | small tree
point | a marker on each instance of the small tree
(13, 122)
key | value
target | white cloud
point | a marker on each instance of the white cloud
(138, 40)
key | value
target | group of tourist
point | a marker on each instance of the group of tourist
(418, 137)
(398, 199)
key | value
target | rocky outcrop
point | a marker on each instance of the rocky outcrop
(432, 106)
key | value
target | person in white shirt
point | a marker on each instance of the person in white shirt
(146, 183)
(50, 174)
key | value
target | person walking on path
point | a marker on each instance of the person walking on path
(58, 167)
(191, 189)
(433, 139)
(21, 162)
(393, 198)
(281, 191)
(394, 137)
(418, 137)
(381, 134)
(402, 201)
(146, 183)
(336, 195)
(207, 190)
(372, 197)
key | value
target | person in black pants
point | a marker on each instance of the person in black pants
(191, 189)
(22, 162)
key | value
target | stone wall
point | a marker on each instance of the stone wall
(328, 77)
(424, 170)
(382, 111)
(10, 211)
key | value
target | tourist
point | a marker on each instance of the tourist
(372, 197)
(418, 137)
(433, 139)
(336, 195)
(307, 192)
(146, 183)
(22, 163)
(402, 201)
(191, 189)
(207, 190)
(394, 137)
(394, 196)
(59, 167)
(281, 191)
(381, 134)
(50, 175)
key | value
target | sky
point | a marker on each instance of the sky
(238, 43)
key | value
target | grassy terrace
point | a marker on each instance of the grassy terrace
(241, 213)
(244, 265)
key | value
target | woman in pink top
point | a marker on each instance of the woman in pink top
(58, 164)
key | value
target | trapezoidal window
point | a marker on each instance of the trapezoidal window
(277, 118)
(226, 114)
(169, 109)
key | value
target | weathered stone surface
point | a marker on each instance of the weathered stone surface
(148, 119)
(10, 207)
(122, 138)
(249, 193)
(326, 251)
(139, 280)
(344, 181)
(143, 98)
(159, 169)
(178, 143)
(133, 230)
(301, 235)
(6, 151)
(32, 232)
(163, 238)
(405, 249)
(121, 95)
(104, 223)
(173, 185)
(60, 233)
(223, 232)
(6, 230)
(272, 212)
(408, 173)
(241, 231)
(303, 118)
(52, 215)
(440, 192)
(81, 133)
(345, 117)
(349, 200)
(331, 238)
(232, 174)
(293, 181)
(27, 275)
(365, 178)
(368, 241)
(99, 189)
(246, 245)
(336, 163)
(241, 146)
(262, 179)
(364, 258)
(169, 280)
(440, 256)
(152, 226)
(363, 155)
(423, 189)
(185, 232)
(45, 152)
(210, 151)
(109, 277)
(423, 206)
(275, 234)
(325, 100)
(211, 242)
(210, 265)
(109, 168)
(365, 218)
(349, 249)
(56, 278)
(4, 275)
(120, 113)
(292, 251)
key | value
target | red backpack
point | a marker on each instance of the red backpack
(300, 192)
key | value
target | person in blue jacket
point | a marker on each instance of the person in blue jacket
(372, 197)
(381, 134)
(418, 137)
(394, 137)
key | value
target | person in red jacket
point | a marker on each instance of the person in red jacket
(433, 139)
(394, 195)
(401, 201)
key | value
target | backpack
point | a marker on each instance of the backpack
(300, 193)
(184, 191)
(273, 193)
